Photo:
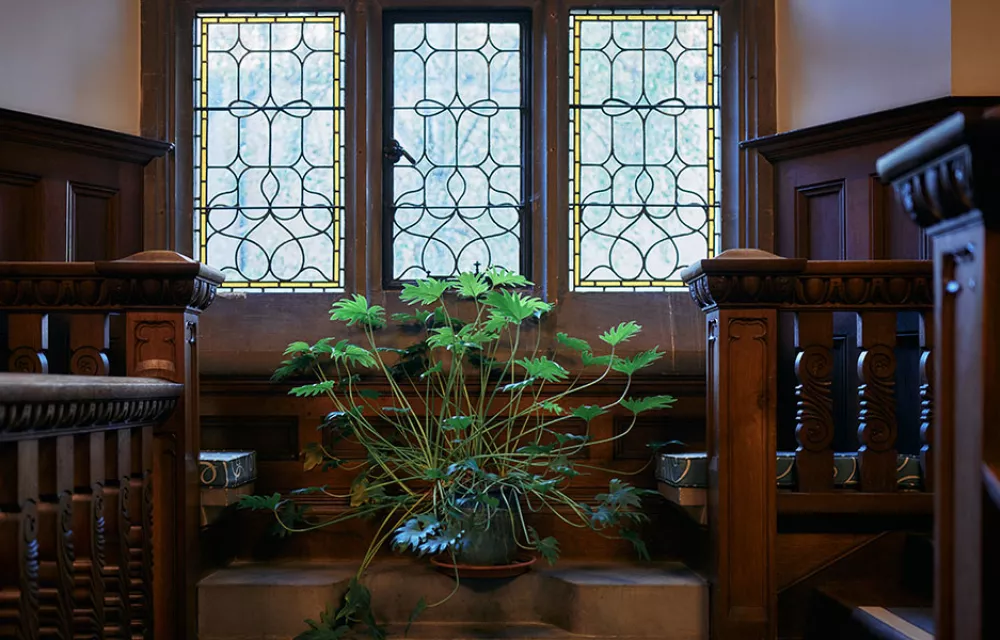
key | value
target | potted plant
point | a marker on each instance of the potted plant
(477, 442)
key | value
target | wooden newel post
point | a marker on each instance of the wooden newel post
(740, 292)
(948, 180)
(163, 294)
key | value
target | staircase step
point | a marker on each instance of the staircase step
(852, 612)
(895, 623)
(270, 601)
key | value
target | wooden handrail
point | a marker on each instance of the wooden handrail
(948, 180)
(93, 456)
(742, 292)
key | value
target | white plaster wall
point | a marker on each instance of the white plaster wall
(842, 58)
(75, 60)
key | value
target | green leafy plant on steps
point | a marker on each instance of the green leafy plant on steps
(473, 423)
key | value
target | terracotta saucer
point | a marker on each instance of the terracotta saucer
(521, 565)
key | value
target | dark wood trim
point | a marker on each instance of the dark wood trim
(855, 502)
(39, 131)
(802, 222)
(866, 129)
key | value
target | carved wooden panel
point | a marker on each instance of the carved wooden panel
(19, 197)
(93, 222)
(820, 221)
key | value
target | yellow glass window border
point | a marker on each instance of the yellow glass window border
(202, 21)
(622, 286)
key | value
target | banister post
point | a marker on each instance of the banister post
(948, 180)
(740, 292)
(163, 294)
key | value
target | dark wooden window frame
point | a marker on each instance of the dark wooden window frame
(748, 111)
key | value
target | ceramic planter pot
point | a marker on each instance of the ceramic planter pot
(488, 538)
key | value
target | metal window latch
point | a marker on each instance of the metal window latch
(394, 151)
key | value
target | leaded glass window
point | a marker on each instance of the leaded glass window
(644, 146)
(456, 124)
(269, 149)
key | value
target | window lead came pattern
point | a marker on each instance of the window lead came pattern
(269, 149)
(644, 192)
(456, 104)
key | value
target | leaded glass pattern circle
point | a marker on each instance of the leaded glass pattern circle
(269, 149)
(644, 170)
(457, 104)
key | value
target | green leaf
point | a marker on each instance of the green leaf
(397, 409)
(590, 360)
(536, 449)
(261, 503)
(417, 610)
(501, 277)
(443, 337)
(433, 474)
(307, 490)
(437, 368)
(621, 494)
(553, 407)
(517, 386)
(588, 411)
(294, 366)
(621, 333)
(468, 464)
(355, 310)
(470, 285)
(629, 366)
(414, 531)
(640, 546)
(456, 423)
(563, 438)
(649, 403)
(543, 368)
(548, 547)
(426, 291)
(576, 344)
(370, 394)
(514, 307)
(352, 354)
(313, 390)
(297, 347)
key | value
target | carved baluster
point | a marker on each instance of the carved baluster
(55, 526)
(814, 415)
(927, 398)
(88, 528)
(118, 454)
(876, 391)
(141, 533)
(18, 540)
(28, 340)
(89, 341)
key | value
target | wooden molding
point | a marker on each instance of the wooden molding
(803, 199)
(891, 124)
(40, 131)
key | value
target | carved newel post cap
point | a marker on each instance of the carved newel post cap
(161, 263)
(736, 261)
(949, 170)
(743, 277)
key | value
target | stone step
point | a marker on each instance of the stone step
(270, 601)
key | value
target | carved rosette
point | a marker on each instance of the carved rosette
(28, 360)
(877, 418)
(814, 398)
(89, 361)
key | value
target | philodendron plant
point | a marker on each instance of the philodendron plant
(479, 415)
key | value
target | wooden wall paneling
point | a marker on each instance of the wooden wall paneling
(20, 196)
(69, 191)
(820, 221)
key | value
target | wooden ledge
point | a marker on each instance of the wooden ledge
(42, 405)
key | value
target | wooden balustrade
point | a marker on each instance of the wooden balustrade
(948, 180)
(98, 474)
(742, 293)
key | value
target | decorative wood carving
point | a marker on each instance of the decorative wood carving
(814, 428)
(877, 428)
(742, 494)
(55, 520)
(155, 349)
(140, 539)
(89, 339)
(89, 531)
(28, 339)
(117, 598)
(927, 399)
(749, 278)
(19, 562)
